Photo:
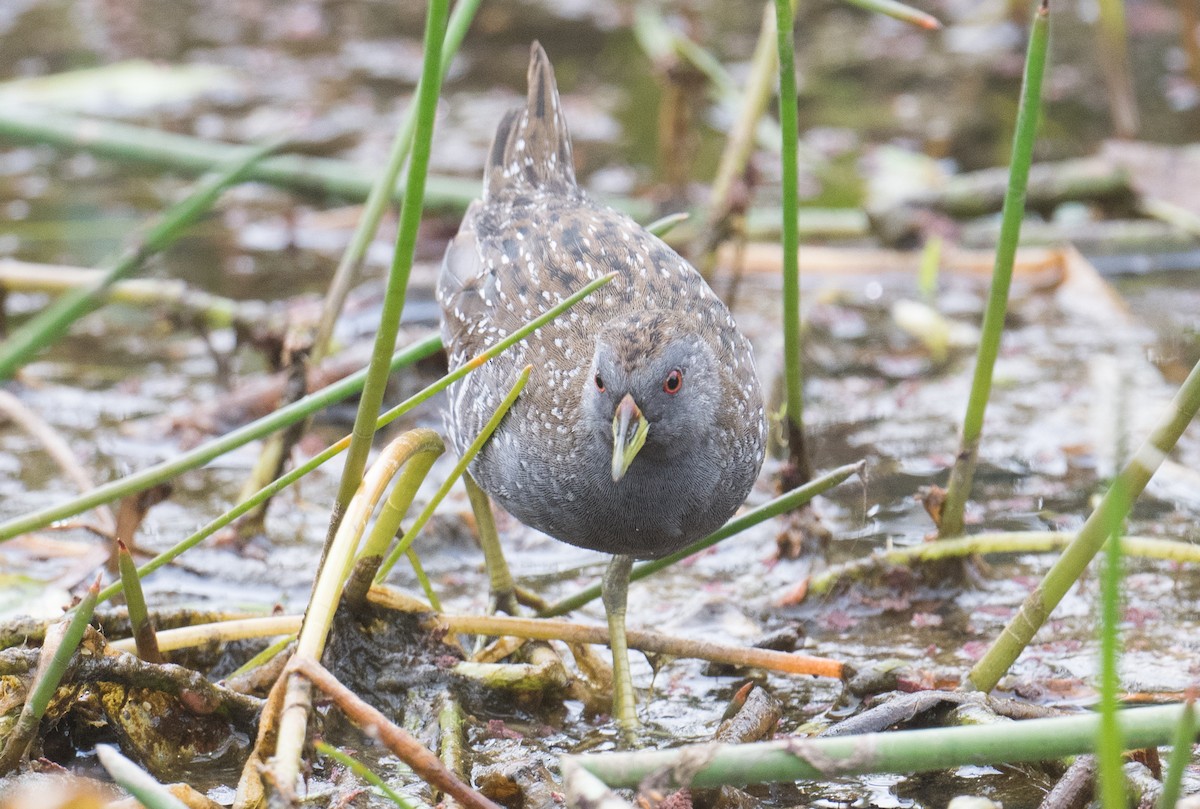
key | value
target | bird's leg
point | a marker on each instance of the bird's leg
(500, 580)
(615, 593)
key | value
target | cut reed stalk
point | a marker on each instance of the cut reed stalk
(144, 638)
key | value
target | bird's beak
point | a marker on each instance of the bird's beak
(629, 434)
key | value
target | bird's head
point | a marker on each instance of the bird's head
(654, 386)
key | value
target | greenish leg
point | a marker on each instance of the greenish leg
(500, 580)
(614, 593)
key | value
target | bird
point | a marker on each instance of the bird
(641, 428)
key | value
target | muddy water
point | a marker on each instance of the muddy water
(875, 394)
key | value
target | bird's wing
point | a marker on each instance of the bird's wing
(464, 293)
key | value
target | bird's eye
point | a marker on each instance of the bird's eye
(673, 382)
(599, 383)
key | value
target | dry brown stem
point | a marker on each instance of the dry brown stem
(423, 762)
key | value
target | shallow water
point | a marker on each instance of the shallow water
(874, 392)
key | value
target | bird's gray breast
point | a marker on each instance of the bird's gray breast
(660, 505)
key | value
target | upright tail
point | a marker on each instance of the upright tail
(532, 145)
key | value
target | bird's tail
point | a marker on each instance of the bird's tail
(532, 145)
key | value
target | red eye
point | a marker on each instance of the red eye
(599, 383)
(673, 382)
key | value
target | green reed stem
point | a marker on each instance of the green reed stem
(52, 666)
(1181, 756)
(501, 587)
(393, 510)
(53, 321)
(773, 508)
(664, 225)
(661, 43)
(1171, 550)
(138, 145)
(1109, 747)
(789, 128)
(364, 232)
(905, 751)
(1113, 41)
(963, 473)
(423, 580)
(402, 259)
(899, 11)
(469, 455)
(262, 657)
(327, 593)
(207, 451)
(927, 273)
(364, 772)
(739, 145)
(135, 602)
(582, 788)
(452, 733)
(382, 191)
(143, 146)
(1073, 561)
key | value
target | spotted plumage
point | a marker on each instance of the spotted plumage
(533, 239)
